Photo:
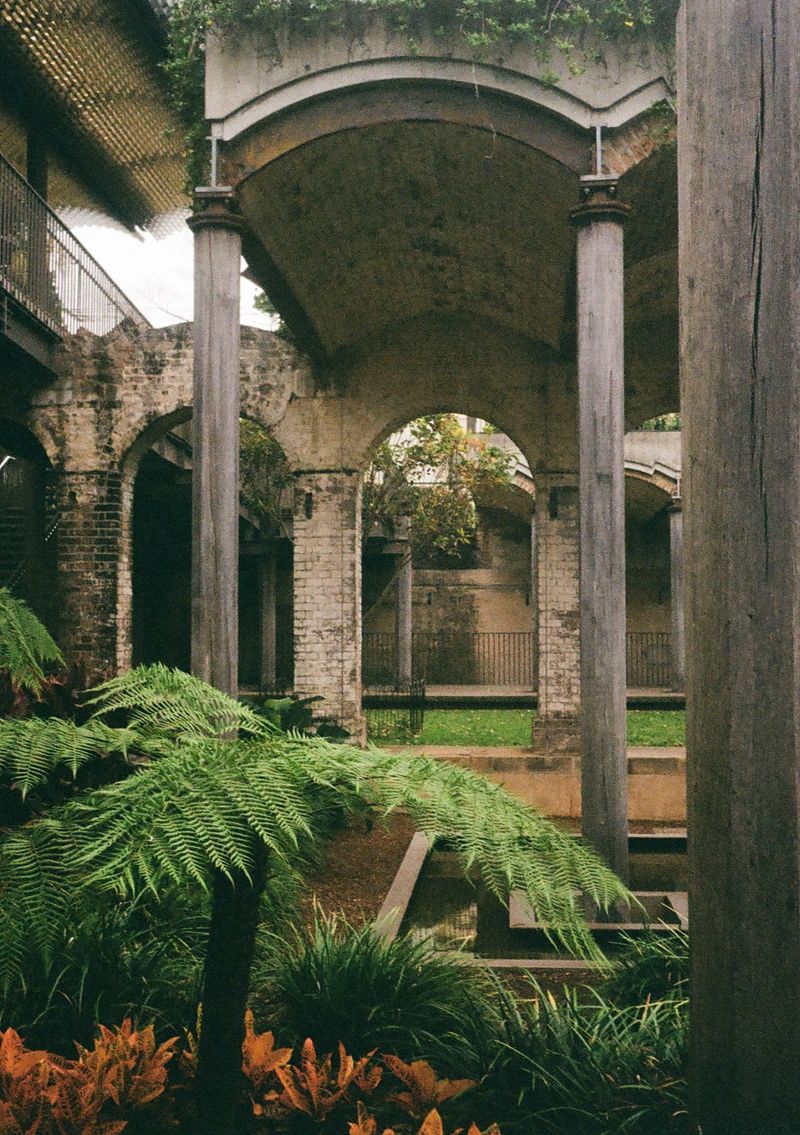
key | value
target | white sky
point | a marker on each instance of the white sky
(155, 272)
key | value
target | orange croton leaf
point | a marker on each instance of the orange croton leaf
(313, 1088)
(126, 1066)
(425, 1091)
(260, 1057)
(431, 1124)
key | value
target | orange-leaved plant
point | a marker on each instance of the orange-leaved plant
(431, 1125)
(424, 1091)
(315, 1089)
(260, 1061)
(126, 1065)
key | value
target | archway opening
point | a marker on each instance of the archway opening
(161, 553)
(448, 596)
(28, 520)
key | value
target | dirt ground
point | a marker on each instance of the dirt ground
(357, 869)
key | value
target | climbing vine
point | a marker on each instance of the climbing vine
(577, 29)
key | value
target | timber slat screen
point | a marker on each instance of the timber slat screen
(501, 658)
(46, 271)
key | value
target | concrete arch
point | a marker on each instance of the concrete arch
(250, 79)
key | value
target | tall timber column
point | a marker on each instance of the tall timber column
(327, 594)
(678, 622)
(739, 219)
(215, 440)
(604, 781)
(404, 626)
(556, 728)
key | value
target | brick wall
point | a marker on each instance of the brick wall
(327, 594)
(557, 558)
(89, 505)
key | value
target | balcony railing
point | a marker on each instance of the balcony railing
(45, 270)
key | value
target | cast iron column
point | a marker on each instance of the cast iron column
(215, 440)
(604, 787)
(739, 214)
(676, 595)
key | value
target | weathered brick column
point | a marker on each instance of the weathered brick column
(557, 726)
(327, 594)
(90, 521)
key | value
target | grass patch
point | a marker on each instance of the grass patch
(504, 727)
(656, 726)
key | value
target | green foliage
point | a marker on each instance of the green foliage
(26, 648)
(32, 750)
(664, 423)
(656, 727)
(652, 964)
(337, 983)
(263, 474)
(584, 1065)
(170, 705)
(433, 473)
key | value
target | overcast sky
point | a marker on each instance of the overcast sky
(155, 272)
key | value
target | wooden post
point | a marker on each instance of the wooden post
(215, 441)
(404, 628)
(676, 595)
(739, 171)
(601, 405)
(267, 578)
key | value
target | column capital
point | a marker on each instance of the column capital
(675, 504)
(599, 202)
(216, 208)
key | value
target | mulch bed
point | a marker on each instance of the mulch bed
(357, 869)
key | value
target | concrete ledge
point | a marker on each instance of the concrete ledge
(395, 905)
(551, 782)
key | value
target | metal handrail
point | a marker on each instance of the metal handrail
(46, 270)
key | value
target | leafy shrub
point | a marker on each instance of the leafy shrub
(334, 982)
(651, 966)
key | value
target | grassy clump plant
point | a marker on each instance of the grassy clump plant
(334, 983)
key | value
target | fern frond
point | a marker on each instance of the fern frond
(37, 884)
(26, 647)
(33, 749)
(158, 699)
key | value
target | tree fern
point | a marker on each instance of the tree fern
(160, 700)
(208, 805)
(33, 749)
(26, 648)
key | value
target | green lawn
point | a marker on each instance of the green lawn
(513, 727)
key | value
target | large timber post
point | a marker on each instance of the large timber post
(215, 440)
(601, 432)
(739, 172)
